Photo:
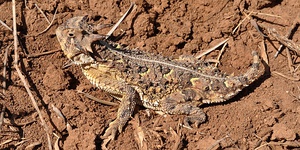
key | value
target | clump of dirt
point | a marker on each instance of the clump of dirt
(265, 114)
(56, 79)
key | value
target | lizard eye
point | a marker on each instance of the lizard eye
(206, 88)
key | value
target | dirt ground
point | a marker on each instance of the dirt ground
(266, 115)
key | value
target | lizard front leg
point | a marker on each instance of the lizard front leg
(106, 78)
(125, 111)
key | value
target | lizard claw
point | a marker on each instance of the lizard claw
(195, 119)
(111, 132)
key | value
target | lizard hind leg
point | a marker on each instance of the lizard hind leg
(177, 103)
(195, 115)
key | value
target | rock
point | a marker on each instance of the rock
(207, 143)
(282, 132)
(55, 78)
(80, 138)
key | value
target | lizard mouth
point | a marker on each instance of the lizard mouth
(80, 58)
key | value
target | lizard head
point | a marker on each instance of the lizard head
(75, 39)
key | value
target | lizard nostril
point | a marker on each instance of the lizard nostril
(71, 34)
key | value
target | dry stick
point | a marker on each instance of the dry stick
(264, 14)
(212, 61)
(285, 41)
(21, 142)
(6, 26)
(211, 49)
(289, 59)
(23, 78)
(119, 22)
(290, 78)
(33, 145)
(288, 43)
(4, 67)
(25, 2)
(2, 117)
(49, 24)
(34, 103)
(60, 114)
(288, 35)
(240, 23)
(42, 13)
(218, 142)
(263, 52)
(68, 64)
(13, 123)
(11, 140)
(295, 70)
(44, 53)
(254, 23)
(56, 144)
(98, 100)
(220, 54)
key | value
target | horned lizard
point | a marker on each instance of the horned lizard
(172, 86)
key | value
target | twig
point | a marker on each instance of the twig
(255, 25)
(212, 61)
(211, 49)
(2, 117)
(220, 54)
(98, 100)
(21, 142)
(119, 22)
(49, 24)
(264, 137)
(263, 52)
(25, 2)
(295, 70)
(13, 123)
(288, 35)
(218, 142)
(68, 64)
(289, 59)
(240, 23)
(5, 25)
(34, 103)
(264, 14)
(285, 41)
(9, 29)
(59, 113)
(177, 138)
(5, 67)
(23, 78)
(11, 140)
(15, 32)
(290, 78)
(42, 13)
(43, 53)
(33, 145)
(56, 144)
